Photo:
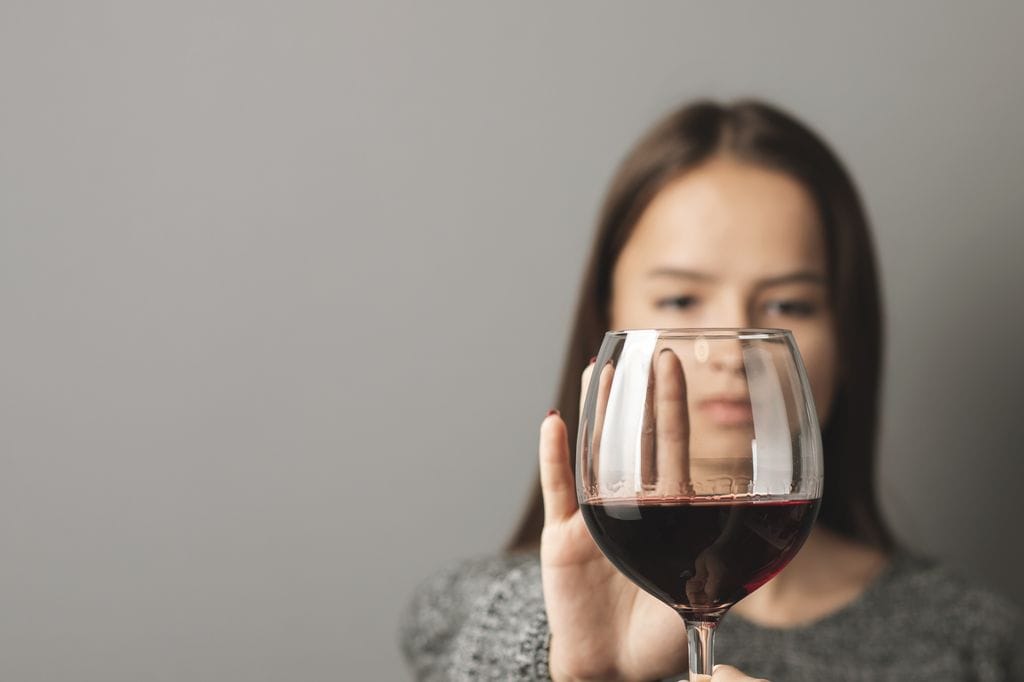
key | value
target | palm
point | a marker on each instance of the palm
(638, 636)
(611, 628)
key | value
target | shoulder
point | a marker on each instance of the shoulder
(928, 598)
(465, 580)
(917, 620)
(443, 600)
(929, 587)
(465, 616)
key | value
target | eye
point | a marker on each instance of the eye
(791, 308)
(676, 303)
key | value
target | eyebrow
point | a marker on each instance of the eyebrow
(807, 276)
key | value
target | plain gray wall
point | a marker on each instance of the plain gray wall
(284, 289)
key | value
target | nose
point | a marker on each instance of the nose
(726, 355)
(731, 308)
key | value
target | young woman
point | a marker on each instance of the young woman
(723, 216)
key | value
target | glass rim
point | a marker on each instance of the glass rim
(710, 333)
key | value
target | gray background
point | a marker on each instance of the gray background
(284, 289)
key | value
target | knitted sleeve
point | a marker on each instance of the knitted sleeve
(480, 620)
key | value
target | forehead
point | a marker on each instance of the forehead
(729, 218)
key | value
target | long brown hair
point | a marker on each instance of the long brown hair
(761, 134)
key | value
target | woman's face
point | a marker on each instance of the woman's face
(730, 244)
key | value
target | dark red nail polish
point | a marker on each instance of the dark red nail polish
(592, 360)
(553, 411)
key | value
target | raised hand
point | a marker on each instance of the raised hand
(603, 626)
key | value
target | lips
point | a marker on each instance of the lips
(727, 411)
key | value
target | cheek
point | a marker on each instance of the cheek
(818, 350)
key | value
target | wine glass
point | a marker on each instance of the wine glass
(699, 470)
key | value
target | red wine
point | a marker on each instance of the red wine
(700, 555)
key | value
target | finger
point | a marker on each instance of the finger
(713, 569)
(696, 587)
(727, 673)
(604, 389)
(585, 382)
(648, 465)
(672, 424)
(556, 483)
(588, 464)
(695, 592)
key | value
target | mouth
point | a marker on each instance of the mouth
(727, 411)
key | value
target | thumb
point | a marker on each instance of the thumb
(727, 673)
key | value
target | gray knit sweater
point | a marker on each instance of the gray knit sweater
(485, 620)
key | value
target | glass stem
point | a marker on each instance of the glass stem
(700, 639)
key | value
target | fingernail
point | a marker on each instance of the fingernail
(592, 360)
(553, 412)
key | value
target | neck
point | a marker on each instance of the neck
(828, 573)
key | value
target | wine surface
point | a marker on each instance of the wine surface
(700, 556)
